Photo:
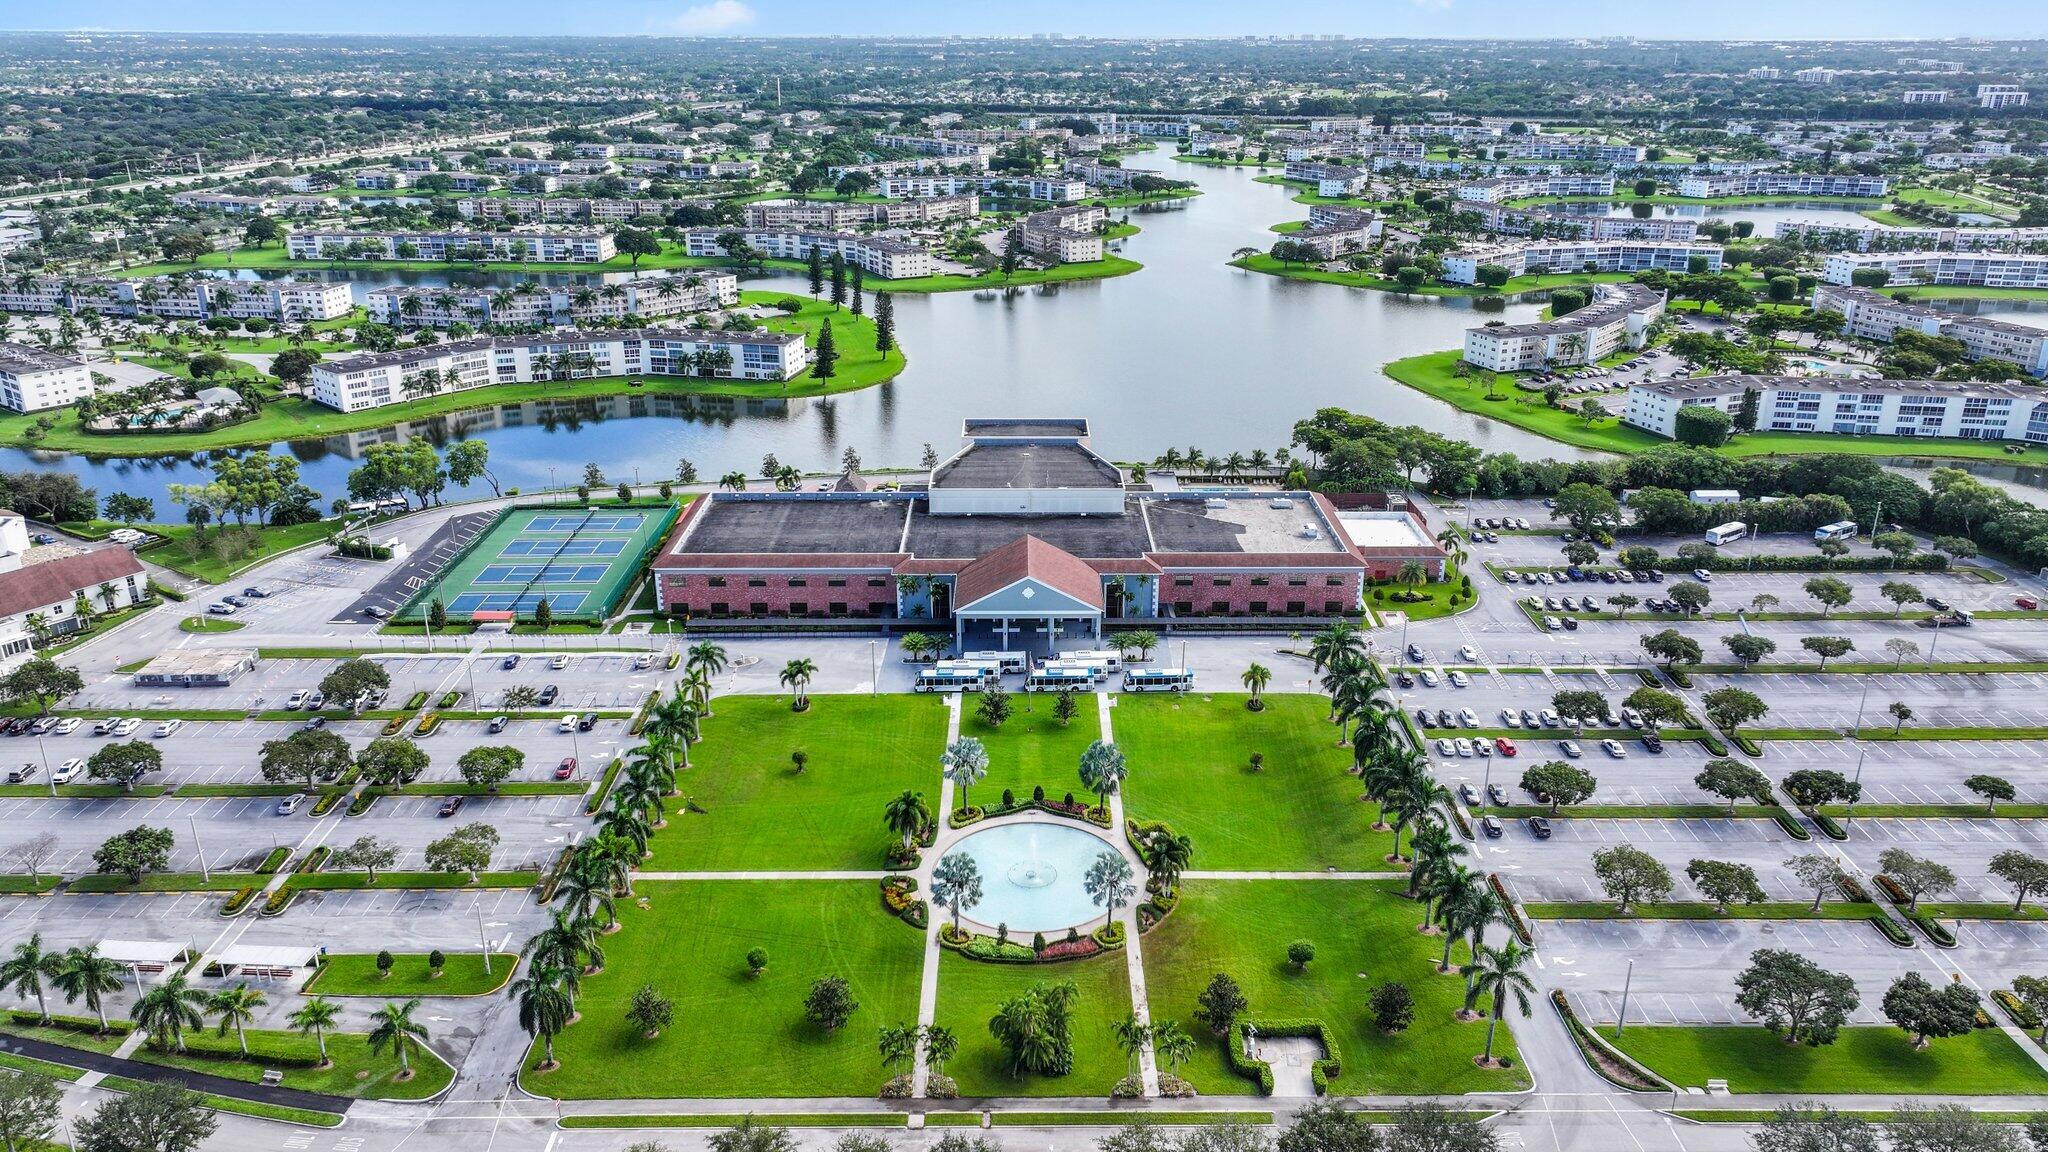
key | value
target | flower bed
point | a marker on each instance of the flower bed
(2015, 1008)
(1325, 1070)
(327, 801)
(1827, 825)
(428, 723)
(1008, 951)
(1514, 911)
(279, 900)
(1068, 807)
(1891, 890)
(238, 903)
(899, 896)
(1851, 889)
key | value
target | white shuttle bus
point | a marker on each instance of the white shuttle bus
(1727, 533)
(1054, 677)
(1159, 680)
(952, 680)
(1112, 660)
(1008, 662)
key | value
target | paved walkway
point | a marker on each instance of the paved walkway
(928, 981)
(105, 1064)
(1134, 955)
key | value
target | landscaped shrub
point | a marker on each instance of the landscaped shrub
(1110, 935)
(1851, 888)
(413, 702)
(363, 802)
(1934, 930)
(1828, 827)
(1514, 910)
(1713, 745)
(2017, 1009)
(1791, 824)
(1070, 949)
(237, 902)
(1329, 1068)
(1891, 890)
(449, 699)
(1892, 931)
(395, 725)
(274, 861)
(427, 725)
(1610, 1063)
(279, 900)
(1749, 747)
(989, 948)
(67, 1023)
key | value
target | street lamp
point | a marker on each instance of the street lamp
(1855, 791)
(1628, 979)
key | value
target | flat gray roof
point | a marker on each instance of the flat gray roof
(1053, 428)
(1027, 465)
(796, 523)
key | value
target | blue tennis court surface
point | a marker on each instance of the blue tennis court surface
(578, 547)
(624, 522)
(542, 574)
(563, 603)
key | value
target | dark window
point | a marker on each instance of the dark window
(1258, 607)
(1333, 607)
(679, 582)
(1260, 581)
(1219, 606)
(757, 583)
(1219, 581)
(799, 608)
(1333, 581)
(758, 608)
(798, 582)
(1183, 581)
(719, 608)
(878, 608)
(837, 608)
(1297, 581)
(1296, 607)
(717, 581)
(835, 583)
(877, 582)
(1184, 607)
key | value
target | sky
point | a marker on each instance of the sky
(1766, 19)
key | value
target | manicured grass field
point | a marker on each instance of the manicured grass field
(970, 991)
(209, 562)
(759, 813)
(1870, 1059)
(355, 974)
(1190, 760)
(1031, 748)
(1242, 927)
(293, 1054)
(736, 1034)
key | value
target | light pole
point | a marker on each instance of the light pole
(1855, 791)
(1861, 701)
(45, 754)
(483, 939)
(874, 671)
(200, 846)
(1628, 979)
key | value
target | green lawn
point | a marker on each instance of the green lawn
(1031, 748)
(293, 1054)
(1190, 760)
(1242, 927)
(736, 1034)
(970, 991)
(207, 625)
(211, 561)
(760, 813)
(355, 974)
(1868, 1059)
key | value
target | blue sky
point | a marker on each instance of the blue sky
(1522, 18)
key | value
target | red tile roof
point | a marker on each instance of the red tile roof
(55, 581)
(1028, 557)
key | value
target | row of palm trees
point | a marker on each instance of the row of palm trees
(1232, 466)
(1459, 902)
(168, 1011)
(600, 870)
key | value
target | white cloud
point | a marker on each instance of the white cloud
(716, 16)
(1433, 5)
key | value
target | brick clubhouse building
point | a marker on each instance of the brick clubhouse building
(1027, 536)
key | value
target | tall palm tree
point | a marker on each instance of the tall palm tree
(25, 969)
(1170, 856)
(83, 973)
(236, 1007)
(567, 942)
(629, 826)
(1132, 1036)
(545, 1008)
(316, 1016)
(398, 1031)
(1255, 679)
(1453, 891)
(1432, 847)
(696, 685)
(1498, 972)
(168, 1009)
(675, 723)
(586, 887)
(709, 657)
(1482, 911)
(640, 792)
(1413, 800)
(907, 815)
(1340, 639)
(796, 676)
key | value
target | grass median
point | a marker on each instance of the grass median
(462, 974)
(1873, 1060)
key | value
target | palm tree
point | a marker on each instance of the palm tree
(628, 826)
(1170, 856)
(545, 1008)
(796, 676)
(640, 792)
(567, 942)
(1497, 972)
(675, 724)
(398, 1031)
(1340, 639)
(1417, 794)
(1452, 890)
(317, 1015)
(907, 815)
(1255, 679)
(1482, 911)
(1132, 1035)
(708, 657)
(165, 1011)
(964, 762)
(1431, 848)
(587, 886)
(236, 1007)
(735, 481)
(1173, 1044)
(84, 973)
(24, 970)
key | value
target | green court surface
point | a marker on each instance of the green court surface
(580, 559)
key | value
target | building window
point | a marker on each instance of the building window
(1333, 607)
(757, 583)
(719, 607)
(837, 608)
(1297, 581)
(1296, 607)
(798, 582)
(1219, 581)
(835, 583)
(758, 608)
(1258, 607)
(799, 608)
(1260, 581)
(1183, 581)
(716, 582)
(878, 608)
(877, 582)
(1333, 581)
(1219, 607)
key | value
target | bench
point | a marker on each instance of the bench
(272, 1076)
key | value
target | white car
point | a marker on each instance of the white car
(1468, 718)
(168, 727)
(568, 723)
(1483, 748)
(290, 804)
(1459, 679)
(1522, 522)
(68, 771)
(128, 726)
(1549, 718)
(1543, 577)
(1464, 747)
(559, 663)
(1511, 576)
(1429, 677)
(1446, 748)
(1553, 624)
(1571, 749)
(67, 726)
(1615, 749)
(1468, 654)
(1511, 718)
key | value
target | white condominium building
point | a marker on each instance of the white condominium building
(1568, 226)
(32, 379)
(221, 202)
(1619, 317)
(1501, 189)
(1334, 180)
(1781, 184)
(286, 299)
(539, 247)
(1975, 269)
(559, 209)
(1333, 231)
(1462, 266)
(1204, 143)
(695, 169)
(932, 146)
(1053, 189)
(1925, 96)
(1576, 147)
(1865, 237)
(1102, 175)
(911, 166)
(2001, 96)
(355, 383)
(889, 259)
(653, 298)
(1847, 406)
(1065, 235)
(1875, 316)
(833, 215)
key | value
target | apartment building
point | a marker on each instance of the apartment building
(1052, 189)
(1848, 406)
(1880, 237)
(1065, 235)
(934, 146)
(559, 209)
(1334, 180)
(1101, 175)
(1533, 222)
(1875, 316)
(221, 202)
(915, 165)
(1996, 96)
(1333, 231)
(1110, 123)
(1781, 184)
(1619, 317)
(38, 602)
(699, 290)
(478, 182)
(1585, 149)
(1462, 266)
(1924, 96)
(1975, 269)
(32, 379)
(889, 259)
(527, 165)
(833, 215)
(695, 169)
(287, 299)
(1815, 75)
(1208, 143)
(356, 383)
(1501, 189)
(534, 246)
(383, 179)
(668, 152)
(1003, 135)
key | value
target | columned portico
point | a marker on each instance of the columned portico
(1026, 596)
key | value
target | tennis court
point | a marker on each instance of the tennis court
(580, 561)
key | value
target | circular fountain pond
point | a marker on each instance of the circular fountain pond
(1031, 875)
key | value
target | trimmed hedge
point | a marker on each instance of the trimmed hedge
(279, 900)
(1329, 1068)
(1514, 911)
(1713, 745)
(1934, 930)
(1851, 889)
(428, 723)
(1791, 824)
(1627, 1073)
(86, 1024)
(1827, 825)
(1749, 747)
(1892, 932)
(2015, 1008)
(273, 862)
(238, 902)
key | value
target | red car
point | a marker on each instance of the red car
(2027, 602)
(1504, 746)
(566, 768)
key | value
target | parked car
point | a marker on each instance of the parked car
(1539, 827)
(1550, 718)
(1529, 719)
(237, 601)
(1445, 748)
(558, 663)
(1491, 826)
(1464, 747)
(255, 593)
(1443, 718)
(1458, 679)
(1571, 749)
(1511, 718)
(295, 701)
(68, 771)
(1496, 795)
(1703, 576)
(1469, 795)
(67, 726)
(1615, 749)
(376, 613)
(1416, 655)
(313, 722)
(566, 768)
(450, 806)
(588, 722)
(1505, 747)
(1553, 624)
(2026, 602)
(1653, 742)
(568, 723)
(290, 804)
(21, 775)
(1468, 718)
(1404, 678)
(1631, 717)
(509, 662)
(220, 608)
(1468, 654)
(104, 726)
(41, 725)
(498, 723)
(1429, 678)
(548, 692)
(168, 727)
(1937, 603)
(643, 661)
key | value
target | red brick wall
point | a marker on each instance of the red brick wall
(1238, 594)
(778, 595)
